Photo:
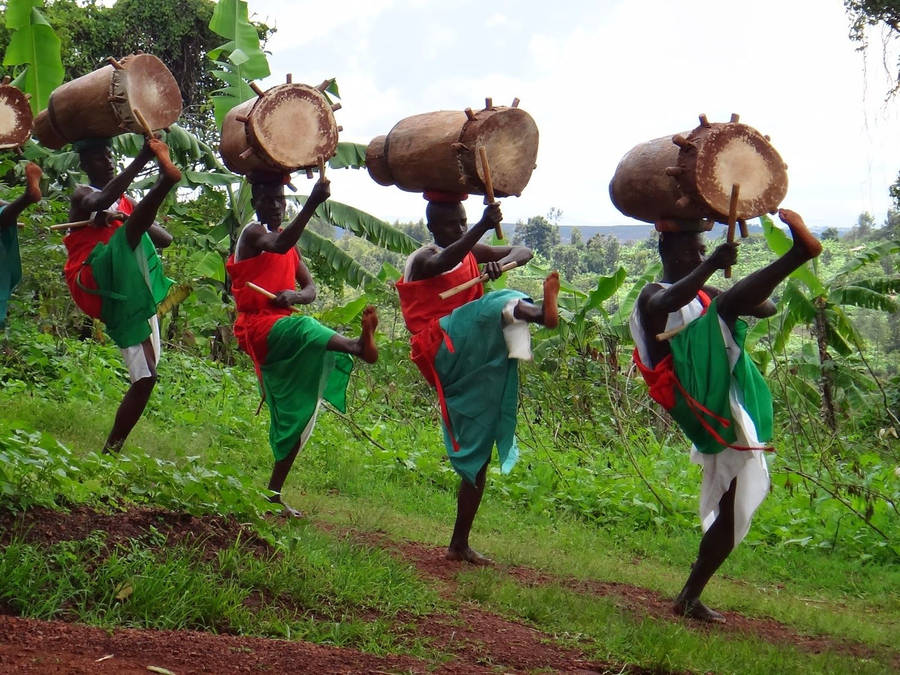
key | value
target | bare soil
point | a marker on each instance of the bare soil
(478, 640)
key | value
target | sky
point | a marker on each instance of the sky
(599, 77)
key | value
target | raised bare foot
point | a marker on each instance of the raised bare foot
(694, 609)
(166, 167)
(469, 555)
(369, 351)
(803, 238)
(33, 175)
(551, 292)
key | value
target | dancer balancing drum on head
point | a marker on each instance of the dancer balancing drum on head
(708, 384)
(113, 270)
(467, 346)
(298, 360)
(10, 263)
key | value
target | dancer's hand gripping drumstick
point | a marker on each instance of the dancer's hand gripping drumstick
(107, 215)
(268, 294)
(488, 185)
(450, 292)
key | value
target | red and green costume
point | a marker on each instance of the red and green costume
(113, 282)
(289, 351)
(459, 347)
(717, 396)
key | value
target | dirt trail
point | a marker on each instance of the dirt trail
(479, 641)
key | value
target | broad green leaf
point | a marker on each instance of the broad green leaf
(780, 243)
(211, 265)
(230, 20)
(349, 156)
(346, 314)
(367, 226)
(388, 272)
(623, 313)
(345, 266)
(860, 296)
(18, 13)
(36, 46)
(209, 178)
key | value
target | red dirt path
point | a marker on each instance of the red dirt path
(478, 641)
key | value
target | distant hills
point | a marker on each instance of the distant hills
(631, 232)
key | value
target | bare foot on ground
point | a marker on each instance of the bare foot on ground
(166, 167)
(694, 609)
(803, 238)
(33, 175)
(469, 555)
(551, 292)
(369, 351)
(287, 511)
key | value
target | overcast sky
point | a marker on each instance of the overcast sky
(600, 76)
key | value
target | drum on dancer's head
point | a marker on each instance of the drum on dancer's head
(439, 151)
(15, 117)
(101, 104)
(690, 175)
(288, 127)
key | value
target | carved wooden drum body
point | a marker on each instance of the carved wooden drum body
(101, 104)
(289, 127)
(15, 117)
(439, 151)
(690, 176)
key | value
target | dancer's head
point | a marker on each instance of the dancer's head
(95, 158)
(267, 197)
(445, 216)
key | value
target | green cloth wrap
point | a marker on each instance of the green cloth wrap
(10, 267)
(131, 283)
(481, 385)
(702, 367)
(299, 371)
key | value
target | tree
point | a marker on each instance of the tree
(865, 13)
(894, 191)
(601, 254)
(830, 234)
(538, 234)
(575, 238)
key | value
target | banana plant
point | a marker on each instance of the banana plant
(809, 300)
(35, 46)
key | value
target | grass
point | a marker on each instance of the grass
(199, 448)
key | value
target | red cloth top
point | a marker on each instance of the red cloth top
(422, 310)
(661, 379)
(275, 272)
(79, 244)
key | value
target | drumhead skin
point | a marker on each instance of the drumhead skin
(291, 126)
(737, 153)
(15, 117)
(147, 85)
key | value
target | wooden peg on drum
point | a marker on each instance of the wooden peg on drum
(732, 214)
(257, 89)
(488, 185)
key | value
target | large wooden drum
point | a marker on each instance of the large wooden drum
(15, 117)
(101, 104)
(288, 127)
(689, 176)
(439, 151)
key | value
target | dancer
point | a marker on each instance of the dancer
(702, 376)
(113, 271)
(468, 345)
(298, 360)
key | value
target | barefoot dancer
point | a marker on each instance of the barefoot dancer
(709, 386)
(466, 346)
(10, 263)
(113, 271)
(298, 360)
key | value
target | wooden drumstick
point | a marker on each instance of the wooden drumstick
(488, 185)
(450, 292)
(662, 337)
(732, 214)
(148, 132)
(268, 294)
(115, 215)
(66, 226)
(321, 168)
